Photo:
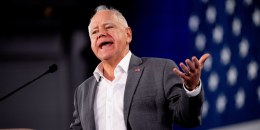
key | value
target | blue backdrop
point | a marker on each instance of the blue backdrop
(228, 30)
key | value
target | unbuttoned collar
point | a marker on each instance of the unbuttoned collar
(123, 64)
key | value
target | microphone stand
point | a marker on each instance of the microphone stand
(51, 69)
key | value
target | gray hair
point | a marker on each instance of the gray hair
(115, 11)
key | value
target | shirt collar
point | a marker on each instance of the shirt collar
(123, 64)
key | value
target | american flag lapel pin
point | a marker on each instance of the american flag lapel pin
(137, 69)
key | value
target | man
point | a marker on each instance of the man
(131, 93)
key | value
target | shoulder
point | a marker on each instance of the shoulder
(155, 59)
(86, 84)
(158, 61)
(135, 60)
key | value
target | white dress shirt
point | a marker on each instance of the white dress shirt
(108, 103)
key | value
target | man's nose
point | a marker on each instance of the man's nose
(102, 33)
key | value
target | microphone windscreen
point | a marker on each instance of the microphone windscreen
(53, 68)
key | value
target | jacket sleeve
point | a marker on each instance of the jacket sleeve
(185, 110)
(76, 124)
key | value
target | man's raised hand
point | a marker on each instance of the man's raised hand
(192, 71)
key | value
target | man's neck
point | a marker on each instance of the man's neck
(108, 71)
(109, 67)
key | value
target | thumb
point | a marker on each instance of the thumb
(203, 58)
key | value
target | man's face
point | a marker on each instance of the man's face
(109, 37)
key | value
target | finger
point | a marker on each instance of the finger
(184, 68)
(203, 58)
(177, 71)
(196, 61)
(190, 64)
(180, 74)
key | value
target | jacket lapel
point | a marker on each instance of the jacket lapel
(134, 74)
(90, 99)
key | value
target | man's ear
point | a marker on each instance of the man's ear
(129, 34)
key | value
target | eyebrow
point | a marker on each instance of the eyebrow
(108, 23)
(96, 27)
(104, 24)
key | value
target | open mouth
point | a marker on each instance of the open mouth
(103, 44)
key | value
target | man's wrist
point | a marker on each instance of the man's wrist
(194, 92)
(192, 88)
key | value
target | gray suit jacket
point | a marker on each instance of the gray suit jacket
(154, 98)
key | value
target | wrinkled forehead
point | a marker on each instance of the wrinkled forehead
(102, 17)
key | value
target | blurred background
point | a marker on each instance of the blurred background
(37, 33)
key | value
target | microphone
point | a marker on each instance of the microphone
(51, 69)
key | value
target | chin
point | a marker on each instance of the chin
(106, 57)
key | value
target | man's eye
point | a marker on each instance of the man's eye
(107, 27)
(94, 32)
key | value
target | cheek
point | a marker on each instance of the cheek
(93, 47)
(120, 37)
(92, 42)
